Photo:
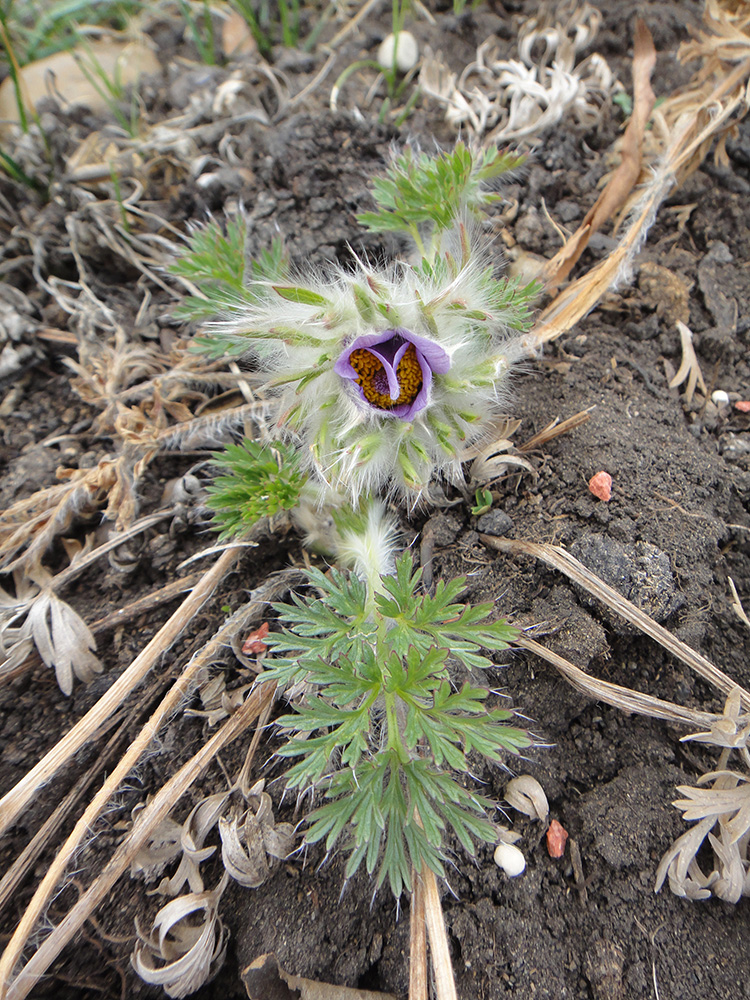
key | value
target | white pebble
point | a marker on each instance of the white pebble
(510, 859)
(407, 52)
(720, 398)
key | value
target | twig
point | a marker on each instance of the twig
(315, 82)
(149, 818)
(561, 560)
(417, 942)
(36, 845)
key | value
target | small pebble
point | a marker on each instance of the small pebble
(601, 486)
(510, 859)
(495, 522)
(743, 406)
(407, 52)
(720, 398)
(557, 837)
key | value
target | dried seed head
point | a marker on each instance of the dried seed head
(526, 795)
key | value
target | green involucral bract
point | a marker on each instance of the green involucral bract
(257, 481)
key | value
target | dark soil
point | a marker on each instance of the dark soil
(677, 526)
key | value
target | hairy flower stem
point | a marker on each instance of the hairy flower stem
(394, 742)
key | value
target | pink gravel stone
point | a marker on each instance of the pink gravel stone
(601, 485)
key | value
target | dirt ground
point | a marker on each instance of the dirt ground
(677, 526)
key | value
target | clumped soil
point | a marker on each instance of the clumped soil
(677, 527)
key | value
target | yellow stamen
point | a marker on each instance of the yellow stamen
(374, 383)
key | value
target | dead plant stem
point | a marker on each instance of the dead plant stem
(561, 560)
(417, 942)
(445, 986)
(162, 803)
(620, 697)
(16, 800)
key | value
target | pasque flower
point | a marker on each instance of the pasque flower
(393, 370)
(384, 375)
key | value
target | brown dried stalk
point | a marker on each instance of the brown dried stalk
(617, 696)
(556, 428)
(21, 865)
(561, 560)
(154, 813)
(718, 99)
(167, 706)
(16, 800)
(440, 953)
(417, 942)
(623, 180)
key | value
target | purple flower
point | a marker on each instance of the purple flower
(393, 370)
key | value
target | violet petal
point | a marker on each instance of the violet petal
(390, 346)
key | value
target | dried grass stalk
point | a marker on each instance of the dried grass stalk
(21, 865)
(154, 813)
(556, 428)
(620, 697)
(690, 122)
(623, 180)
(561, 560)
(417, 942)
(176, 694)
(445, 985)
(16, 800)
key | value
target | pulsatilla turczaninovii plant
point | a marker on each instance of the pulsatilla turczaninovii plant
(378, 379)
(383, 727)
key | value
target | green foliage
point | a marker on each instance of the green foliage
(482, 502)
(271, 21)
(459, 6)
(419, 188)
(385, 727)
(14, 170)
(41, 29)
(624, 101)
(258, 481)
(214, 262)
(202, 34)
(110, 88)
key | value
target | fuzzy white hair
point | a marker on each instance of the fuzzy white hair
(297, 332)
